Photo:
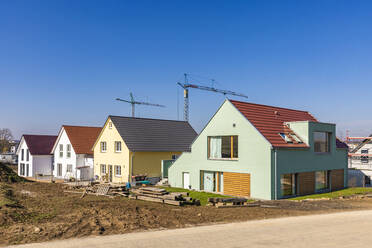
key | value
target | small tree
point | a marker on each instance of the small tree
(5, 138)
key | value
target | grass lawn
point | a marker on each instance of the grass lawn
(336, 194)
(202, 196)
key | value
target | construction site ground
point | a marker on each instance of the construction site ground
(37, 212)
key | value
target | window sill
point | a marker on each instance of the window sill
(103, 151)
(224, 159)
(117, 151)
(117, 175)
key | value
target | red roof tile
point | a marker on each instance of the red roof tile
(39, 144)
(270, 121)
(82, 138)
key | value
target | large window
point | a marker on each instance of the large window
(211, 181)
(59, 170)
(321, 180)
(22, 169)
(223, 147)
(321, 142)
(363, 158)
(103, 146)
(69, 168)
(22, 154)
(27, 155)
(117, 146)
(61, 150)
(288, 184)
(68, 148)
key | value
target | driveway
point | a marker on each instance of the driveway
(347, 229)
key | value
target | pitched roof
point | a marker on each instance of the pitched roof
(82, 138)
(270, 121)
(39, 144)
(143, 134)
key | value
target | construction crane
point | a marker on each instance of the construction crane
(133, 103)
(186, 85)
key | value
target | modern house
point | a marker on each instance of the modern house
(73, 155)
(262, 152)
(34, 156)
(129, 146)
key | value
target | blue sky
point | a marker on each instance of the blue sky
(64, 62)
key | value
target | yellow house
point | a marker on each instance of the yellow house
(129, 146)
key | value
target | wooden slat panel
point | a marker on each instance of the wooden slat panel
(337, 179)
(306, 183)
(237, 184)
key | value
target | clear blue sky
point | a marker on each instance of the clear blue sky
(64, 62)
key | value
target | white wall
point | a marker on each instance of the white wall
(23, 146)
(42, 164)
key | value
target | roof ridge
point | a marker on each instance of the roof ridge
(231, 100)
(39, 135)
(129, 117)
(80, 126)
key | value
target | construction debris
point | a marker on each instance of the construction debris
(162, 196)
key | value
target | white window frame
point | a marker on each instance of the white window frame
(116, 167)
(22, 154)
(103, 146)
(69, 168)
(102, 169)
(61, 150)
(116, 146)
(27, 155)
(68, 150)
(22, 169)
(59, 171)
(110, 125)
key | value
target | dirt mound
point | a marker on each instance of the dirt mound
(8, 175)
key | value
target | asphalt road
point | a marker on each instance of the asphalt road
(347, 229)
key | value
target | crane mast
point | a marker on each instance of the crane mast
(186, 86)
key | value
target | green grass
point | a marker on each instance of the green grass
(336, 194)
(202, 196)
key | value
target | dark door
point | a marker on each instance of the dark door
(110, 173)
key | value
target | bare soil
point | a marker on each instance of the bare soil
(42, 212)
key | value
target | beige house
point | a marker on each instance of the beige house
(130, 146)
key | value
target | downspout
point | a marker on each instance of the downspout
(276, 175)
(131, 168)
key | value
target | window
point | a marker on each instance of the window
(68, 148)
(288, 184)
(60, 150)
(27, 155)
(103, 146)
(321, 180)
(59, 170)
(321, 142)
(69, 168)
(286, 138)
(175, 156)
(103, 169)
(110, 125)
(364, 159)
(211, 181)
(117, 146)
(117, 170)
(22, 169)
(290, 137)
(27, 170)
(23, 154)
(223, 147)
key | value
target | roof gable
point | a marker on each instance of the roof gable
(82, 138)
(39, 144)
(144, 134)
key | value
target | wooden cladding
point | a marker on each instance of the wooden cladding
(306, 183)
(337, 179)
(237, 184)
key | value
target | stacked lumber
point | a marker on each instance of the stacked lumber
(162, 196)
(103, 189)
(230, 202)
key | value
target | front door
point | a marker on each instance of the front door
(110, 172)
(186, 180)
(208, 181)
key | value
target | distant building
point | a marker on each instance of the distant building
(360, 156)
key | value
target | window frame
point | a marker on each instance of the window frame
(23, 154)
(294, 185)
(328, 142)
(102, 169)
(232, 151)
(59, 169)
(103, 144)
(327, 184)
(364, 159)
(61, 150)
(22, 169)
(116, 143)
(69, 168)
(68, 150)
(115, 170)
(27, 155)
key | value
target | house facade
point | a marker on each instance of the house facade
(360, 161)
(262, 152)
(130, 146)
(34, 156)
(72, 151)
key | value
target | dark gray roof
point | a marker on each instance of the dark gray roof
(142, 134)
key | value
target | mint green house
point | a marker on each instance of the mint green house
(262, 152)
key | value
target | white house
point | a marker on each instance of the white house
(34, 156)
(73, 155)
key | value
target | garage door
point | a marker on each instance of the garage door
(237, 184)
